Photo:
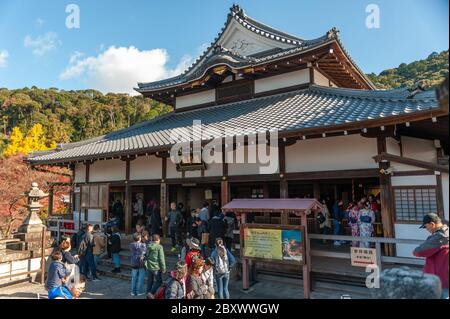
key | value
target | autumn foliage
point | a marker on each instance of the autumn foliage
(34, 140)
(16, 177)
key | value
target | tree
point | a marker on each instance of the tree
(34, 141)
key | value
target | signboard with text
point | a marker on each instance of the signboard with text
(269, 243)
(362, 257)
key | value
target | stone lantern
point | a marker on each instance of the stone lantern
(33, 223)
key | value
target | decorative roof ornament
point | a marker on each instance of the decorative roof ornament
(333, 33)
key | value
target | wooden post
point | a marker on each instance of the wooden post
(316, 190)
(245, 277)
(439, 193)
(128, 210)
(307, 265)
(284, 191)
(44, 229)
(164, 207)
(386, 199)
(224, 192)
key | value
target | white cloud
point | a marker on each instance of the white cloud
(3, 57)
(43, 43)
(118, 69)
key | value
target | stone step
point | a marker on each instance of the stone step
(126, 262)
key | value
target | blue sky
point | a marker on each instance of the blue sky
(122, 42)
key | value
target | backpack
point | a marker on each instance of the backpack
(83, 248)
(321, 218)
(224, 269)
(161, 292)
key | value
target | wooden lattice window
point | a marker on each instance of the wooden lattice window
(412, 203)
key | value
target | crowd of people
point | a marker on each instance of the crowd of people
(202, 239)
(360, 216)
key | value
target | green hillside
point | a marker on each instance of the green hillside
(431, 71)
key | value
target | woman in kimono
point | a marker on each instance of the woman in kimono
(353, 221)
(366, 220)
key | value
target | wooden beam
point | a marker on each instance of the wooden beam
(439, 191)
(410, 161)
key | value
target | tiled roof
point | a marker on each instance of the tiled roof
(315, 107)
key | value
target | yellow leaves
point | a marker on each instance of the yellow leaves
(35, 140)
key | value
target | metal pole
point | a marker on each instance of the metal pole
(43, 254)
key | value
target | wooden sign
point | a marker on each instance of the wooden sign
(362, 257)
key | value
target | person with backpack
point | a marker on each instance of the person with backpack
(155, 263)
(223, 262)
(195, 286)
(115, 244)
(56, 278)
(86, 252)
(337, 220)
(174, 287)
(194, 251)
(100, 243)
(175, 220)
(138, 249)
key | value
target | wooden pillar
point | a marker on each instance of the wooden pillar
(245, 266)
(307, 260)
(88, 164)
(164, 206)
(439, 192)
(224, 192)
(386, 199)
(128, 199)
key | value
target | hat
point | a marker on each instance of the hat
(430, 218)
(193, 243)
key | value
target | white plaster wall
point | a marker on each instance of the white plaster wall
(408, 231)
(247, 168)
(331, 153)
(146, 167)
(419, 180)
(171, 171)
(282, 80)
(392, 146)
(320, 79)
(445, 194)
(195, 99)
(108, 170)
(214, 169)
(80, 173)
(419, 149)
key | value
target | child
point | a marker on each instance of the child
(155, 264)
(115, 243)
(56, 278)
(137, 263)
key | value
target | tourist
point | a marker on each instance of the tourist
(337, 220)
(85, 251)
(366, 220)
(324, 220)
(138, 249)
(139, 206)
(155, 263)
(192, 224)
(176, 285)
(203, 227)
(353, 221)
(65, 248)
(195, 286)
(223, 262)
(184, 216)
(175, 219)
(155, 221)
(56, 278)
(230, 220)
(118, 213)
(435, 250)
(194, 251)
(208, 277)
(115, 244)
(140, 229)
(217, 228)
(99, 244)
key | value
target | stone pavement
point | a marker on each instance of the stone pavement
(268, 287)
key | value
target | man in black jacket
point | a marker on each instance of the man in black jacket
(115, 244)
(217, 228)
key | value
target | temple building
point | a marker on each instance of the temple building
(338, 136)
